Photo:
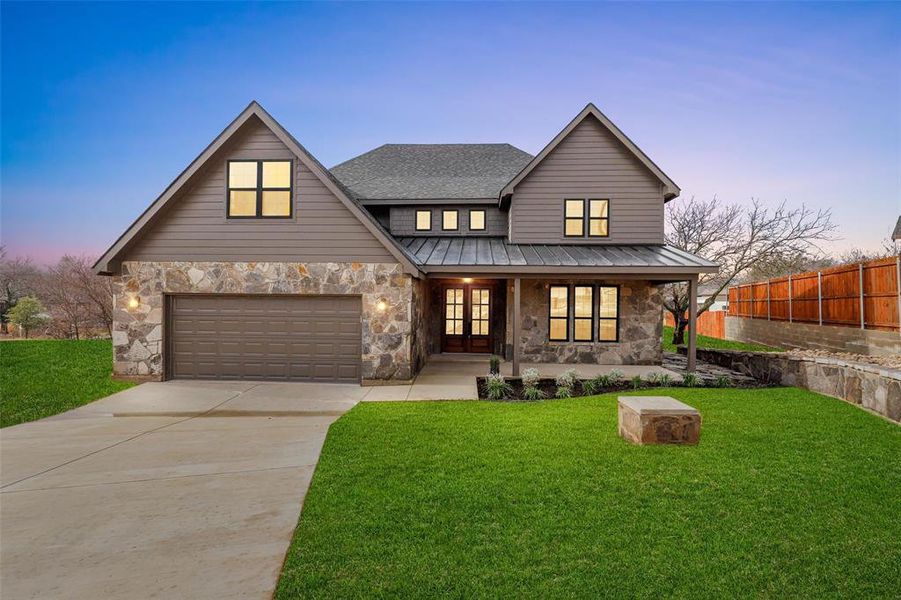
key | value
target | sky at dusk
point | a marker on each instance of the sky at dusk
(103, 105)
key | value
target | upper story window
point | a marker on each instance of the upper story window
(476, 220)
(449, 220)
(259, 188)
(586, 217)
(423, 220)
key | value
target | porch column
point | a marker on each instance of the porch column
(692, 322)
(517, 323)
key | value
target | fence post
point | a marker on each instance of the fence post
(789, 298)
(767, 299)
(751, 287)
(863, 323)
(898, 281)
(820, 296)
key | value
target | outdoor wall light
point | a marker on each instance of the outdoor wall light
(382, 305)
(134, 302)
(467, 280)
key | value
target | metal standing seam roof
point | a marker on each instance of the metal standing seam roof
(418, 171)
(427, 251)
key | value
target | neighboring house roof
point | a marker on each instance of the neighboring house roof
(431, 171)
(434, 254)
(105, 263)
(670, 189)
(896, 235)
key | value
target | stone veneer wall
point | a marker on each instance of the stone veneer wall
(811, 336)
(640, 327)
(875, 388)
(387, 336)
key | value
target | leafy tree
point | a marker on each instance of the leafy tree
(28, 313)
(738, 238)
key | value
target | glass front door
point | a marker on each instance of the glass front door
(467, 319)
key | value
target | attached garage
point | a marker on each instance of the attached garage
(255, 337)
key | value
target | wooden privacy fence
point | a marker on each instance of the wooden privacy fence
(711, 323)
(864, 295)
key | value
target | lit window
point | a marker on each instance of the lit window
(608, 314)
(449, 220)
(477, 220)
(423, 220)
(258, 188)
(481, 311)
(598, 218)
(574, 218)
(558, 326)
(583, 312)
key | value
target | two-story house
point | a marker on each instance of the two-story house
(259, 263)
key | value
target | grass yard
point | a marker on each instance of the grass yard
(39, 378)
(789, 494)
(714, 343)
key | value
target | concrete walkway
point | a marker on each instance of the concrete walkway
(169, 490)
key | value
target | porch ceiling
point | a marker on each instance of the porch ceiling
(496, 255)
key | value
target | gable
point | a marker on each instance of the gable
(188, 222)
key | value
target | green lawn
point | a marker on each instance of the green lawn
(714, 343)
(39, 378)
(789, 494)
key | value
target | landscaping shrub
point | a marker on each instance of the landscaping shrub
(496, 387)
(530, 381)
(637, 382)
(566, 383)
(659, 379)
(721, 381)
(494, 364)
(691, 380)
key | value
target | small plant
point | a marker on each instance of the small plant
(496, 387)
(721, 381)
(637, 382)
(659, 379)
(494, 364)
(530, 389)
(616, 377)
(566, 381)
(691, 380)
(592, 386)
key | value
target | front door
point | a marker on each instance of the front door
(467, 318)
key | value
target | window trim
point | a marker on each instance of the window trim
(589, 218)
(550, 318)
(600, 318)
(582, 218)
(259, 189)
(484, 219)
(416, 226)
(594, 311)
(456, 212)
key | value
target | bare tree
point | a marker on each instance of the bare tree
(66, 299)
(738, 238)
(19, 277)
(97, 290)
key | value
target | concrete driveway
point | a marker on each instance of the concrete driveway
(168, 490)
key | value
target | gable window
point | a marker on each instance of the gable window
(259, 188)
(449, 220)
(608, 313)
(477, 220)
(574, 218)
(423, 220)
(558, 320)
(598, 218)
(583, 313)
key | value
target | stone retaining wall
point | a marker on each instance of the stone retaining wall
(875, 388)
(387, 336)
(783, 334)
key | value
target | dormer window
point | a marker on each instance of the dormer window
(476, 220)
(259, 189)
(583, 217)
(423, 220)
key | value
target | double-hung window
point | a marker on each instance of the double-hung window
(558, 325)
(583, 313)
(574, 218)
(259, 189)
(608, 313)
(598, 218)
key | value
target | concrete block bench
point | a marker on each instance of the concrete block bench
(658, 420)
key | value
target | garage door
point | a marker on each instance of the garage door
(281, 338)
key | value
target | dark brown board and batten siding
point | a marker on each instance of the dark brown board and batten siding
(195, 228)
(589, 163)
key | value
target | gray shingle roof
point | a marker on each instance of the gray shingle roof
(417, 171)
(496, 251)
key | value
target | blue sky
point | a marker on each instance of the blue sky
(104, 104)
